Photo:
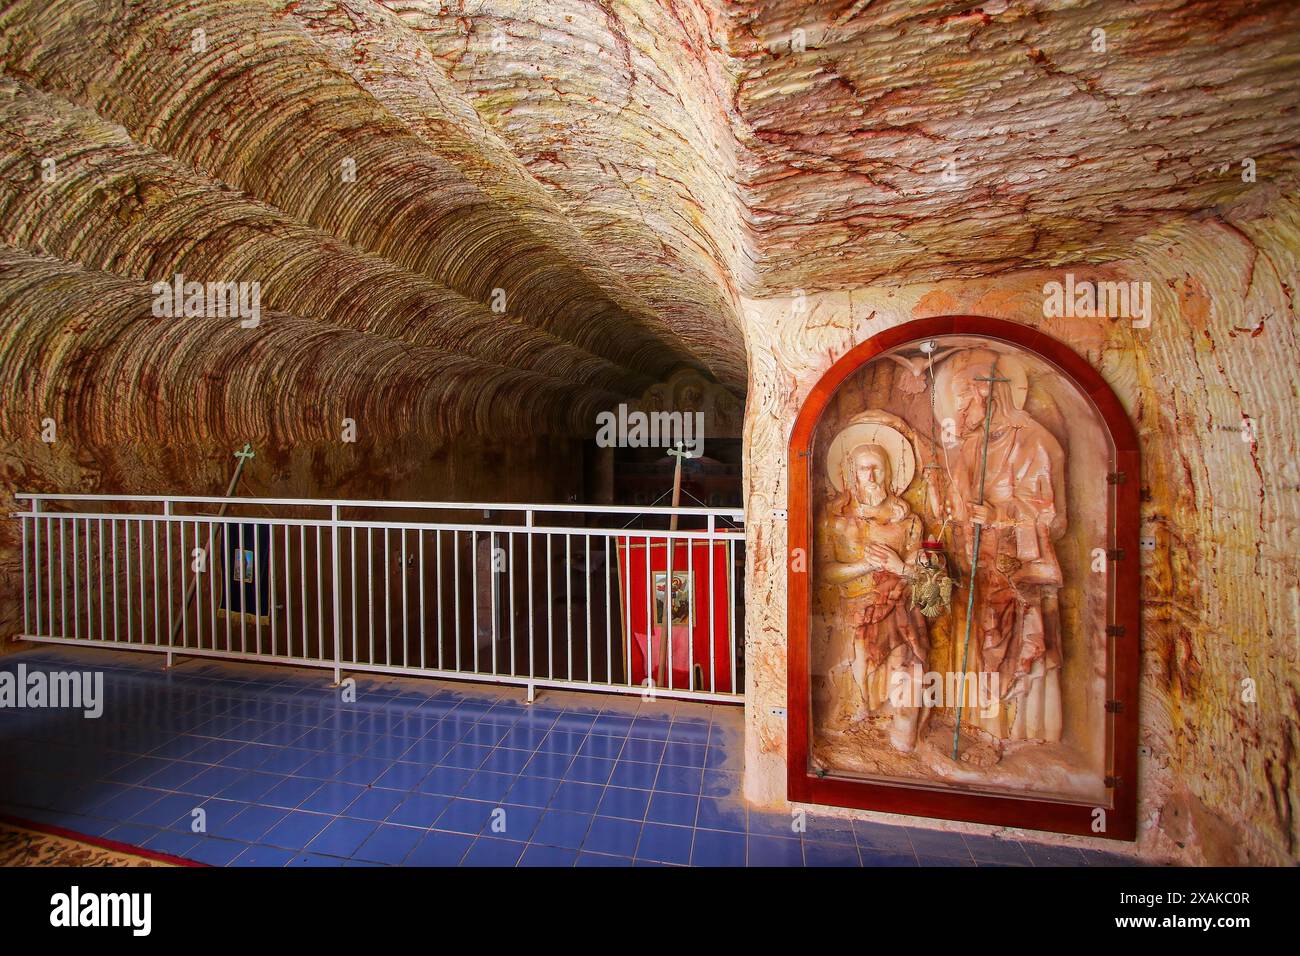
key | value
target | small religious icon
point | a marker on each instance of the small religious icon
(243, 566)
(681, 596)
(867, 545)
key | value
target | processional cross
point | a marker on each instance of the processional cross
(244, 455)
(680, 453)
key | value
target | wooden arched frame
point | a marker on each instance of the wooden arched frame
(1123, 618)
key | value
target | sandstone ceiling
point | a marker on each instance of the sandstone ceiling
(617, 175)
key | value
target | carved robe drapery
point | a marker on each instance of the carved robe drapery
(1016, 632)
(875, 608)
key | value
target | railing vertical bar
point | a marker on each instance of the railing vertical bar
(731, 609)
(406, 616)
(27, 619)
(157, 628)
(49, 570)
(113, 530)
(455, 570)
(627, 606)
(76, 594)
(188, 557)
(139, 564)
(227, 582)
(670, 547)
(691, 592)
(550, 611)
(320, 612)
(494, 595)
(126, 559)
(185, 618)
(586, 574)
(370, 591)
(243, 594)
(63, 578)
(130, 596)
(609, 621)
(388, 600)
(271, 589)
(288, 595)
(171, 613)
(713, 608)
(139, 539)
(36, 561)
(421, 560)
(352, 589)
(473, 552)
(437, 544)
(510, 564)
(103, 617)
(257, 589)
(336, 593)
(112, 524)
(568, 601)
(90, 597)
(302, 588)
(211, 569)
(650, 654)
(532, 661)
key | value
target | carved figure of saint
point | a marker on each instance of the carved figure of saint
(1016, 632)
(867, 540)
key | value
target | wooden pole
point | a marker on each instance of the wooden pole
(243, 455)
(680, 453)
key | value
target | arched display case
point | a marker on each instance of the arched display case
(963, 583)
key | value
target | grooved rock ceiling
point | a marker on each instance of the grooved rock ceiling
(623, 173)
(497, 217)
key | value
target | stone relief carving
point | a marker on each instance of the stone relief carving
(922, 455)
(867, 541)
(1019, 472)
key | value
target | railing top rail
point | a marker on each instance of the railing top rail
(736, 513)
(636, 534)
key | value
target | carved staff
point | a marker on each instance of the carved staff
(975, 553)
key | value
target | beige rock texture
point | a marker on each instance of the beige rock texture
(476, 223)
(1212, 387)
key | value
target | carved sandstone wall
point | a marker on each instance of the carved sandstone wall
(1214, 397)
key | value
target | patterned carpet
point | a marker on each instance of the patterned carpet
(20, 846)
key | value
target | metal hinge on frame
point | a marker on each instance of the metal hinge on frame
(1114, 706)
(1115, 630)
(1115, 554)
(1111, 782)
(1116, 478)
(804, 452)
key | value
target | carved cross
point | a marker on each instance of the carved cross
(679, 453)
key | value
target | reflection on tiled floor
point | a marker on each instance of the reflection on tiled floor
(419, 772)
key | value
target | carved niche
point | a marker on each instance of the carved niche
(963, 583)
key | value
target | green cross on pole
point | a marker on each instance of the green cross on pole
(975, 554)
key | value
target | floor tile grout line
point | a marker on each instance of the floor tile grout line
(250, 708)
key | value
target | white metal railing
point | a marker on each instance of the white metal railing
(533, 595)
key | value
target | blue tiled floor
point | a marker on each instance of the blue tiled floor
(420, 773)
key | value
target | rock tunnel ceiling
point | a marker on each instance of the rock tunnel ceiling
(554, 205)
(496, 218)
